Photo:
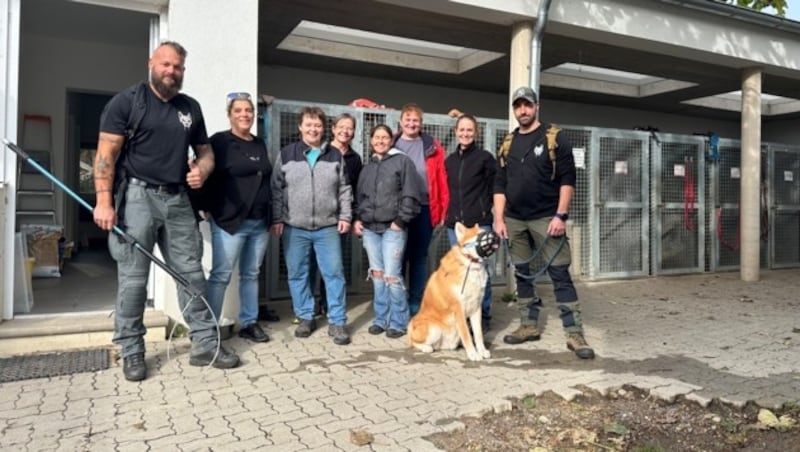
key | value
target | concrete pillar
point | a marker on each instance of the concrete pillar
(519, 74)
(222, 47)
(750, 210)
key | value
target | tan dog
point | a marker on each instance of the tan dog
(453, 293)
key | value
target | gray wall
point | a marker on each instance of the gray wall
(320, 87)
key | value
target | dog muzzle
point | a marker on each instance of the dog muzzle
(487, 243)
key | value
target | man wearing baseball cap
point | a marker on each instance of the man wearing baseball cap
(533, 189)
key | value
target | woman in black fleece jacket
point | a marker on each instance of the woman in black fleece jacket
(470, 178)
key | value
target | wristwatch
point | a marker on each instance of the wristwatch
(562, 216)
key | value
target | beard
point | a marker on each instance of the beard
(525, 121)
(165, 89)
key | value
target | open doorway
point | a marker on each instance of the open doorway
(88, 278)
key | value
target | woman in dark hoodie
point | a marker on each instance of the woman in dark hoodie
(237, 197)
(387, 198)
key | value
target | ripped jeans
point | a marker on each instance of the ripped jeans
(390, 301)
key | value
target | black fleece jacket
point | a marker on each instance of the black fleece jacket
(470, 178)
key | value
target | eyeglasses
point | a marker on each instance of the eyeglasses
(237, 96)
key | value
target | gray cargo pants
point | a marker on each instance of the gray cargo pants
(167, 219)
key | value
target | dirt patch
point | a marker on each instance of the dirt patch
(625, 420)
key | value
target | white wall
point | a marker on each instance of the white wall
(49, 67)
(221, 39)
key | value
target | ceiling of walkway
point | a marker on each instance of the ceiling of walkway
(278, 18)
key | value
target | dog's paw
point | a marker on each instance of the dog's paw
(473, 355)
(424, 348)
(485, 353)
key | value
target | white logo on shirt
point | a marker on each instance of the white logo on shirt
(186, 119)
(538, 150)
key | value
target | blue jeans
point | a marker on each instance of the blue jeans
(297, 246)
(166, 219)
(486, 304)
(415, 260)
(390, 301)
(247, 246)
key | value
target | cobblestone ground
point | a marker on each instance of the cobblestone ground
(701, 336)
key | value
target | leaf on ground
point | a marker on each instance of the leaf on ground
(616, 428)
(578, 436)
(361, 437)
(139, 426)
(767, 418)
(786, 422)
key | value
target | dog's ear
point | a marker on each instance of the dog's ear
(459, 231)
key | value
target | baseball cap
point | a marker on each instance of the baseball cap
(524, 92)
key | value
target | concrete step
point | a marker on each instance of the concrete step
(44, 333)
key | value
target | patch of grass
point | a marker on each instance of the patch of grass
(616, 428)
(730, 425)
(529, 403)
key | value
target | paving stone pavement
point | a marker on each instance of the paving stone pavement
(703, 337)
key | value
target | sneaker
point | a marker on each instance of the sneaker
(375, 330)
(522, 334)
(305, 328)
(392, 333)
(339, 334)
(222, 360)
(134, 367)
(254, 333)
(577, 343)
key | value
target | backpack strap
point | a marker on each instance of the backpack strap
(505, 147)
(138, 110)
(552, 145)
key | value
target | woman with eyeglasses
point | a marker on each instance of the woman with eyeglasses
(343, 131)
(387, 198)
(237, 197)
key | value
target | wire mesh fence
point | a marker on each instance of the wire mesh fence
(644, 204)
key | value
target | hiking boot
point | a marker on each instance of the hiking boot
(222, 360)
(305, 328)
(134, 367)
(339, 334)
(375, 330)
(524, 333)
(254, 333)
(392, 333)
(577, 343)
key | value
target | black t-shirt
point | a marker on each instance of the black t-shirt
(526, 178)
(239, 188)
(159, 150)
